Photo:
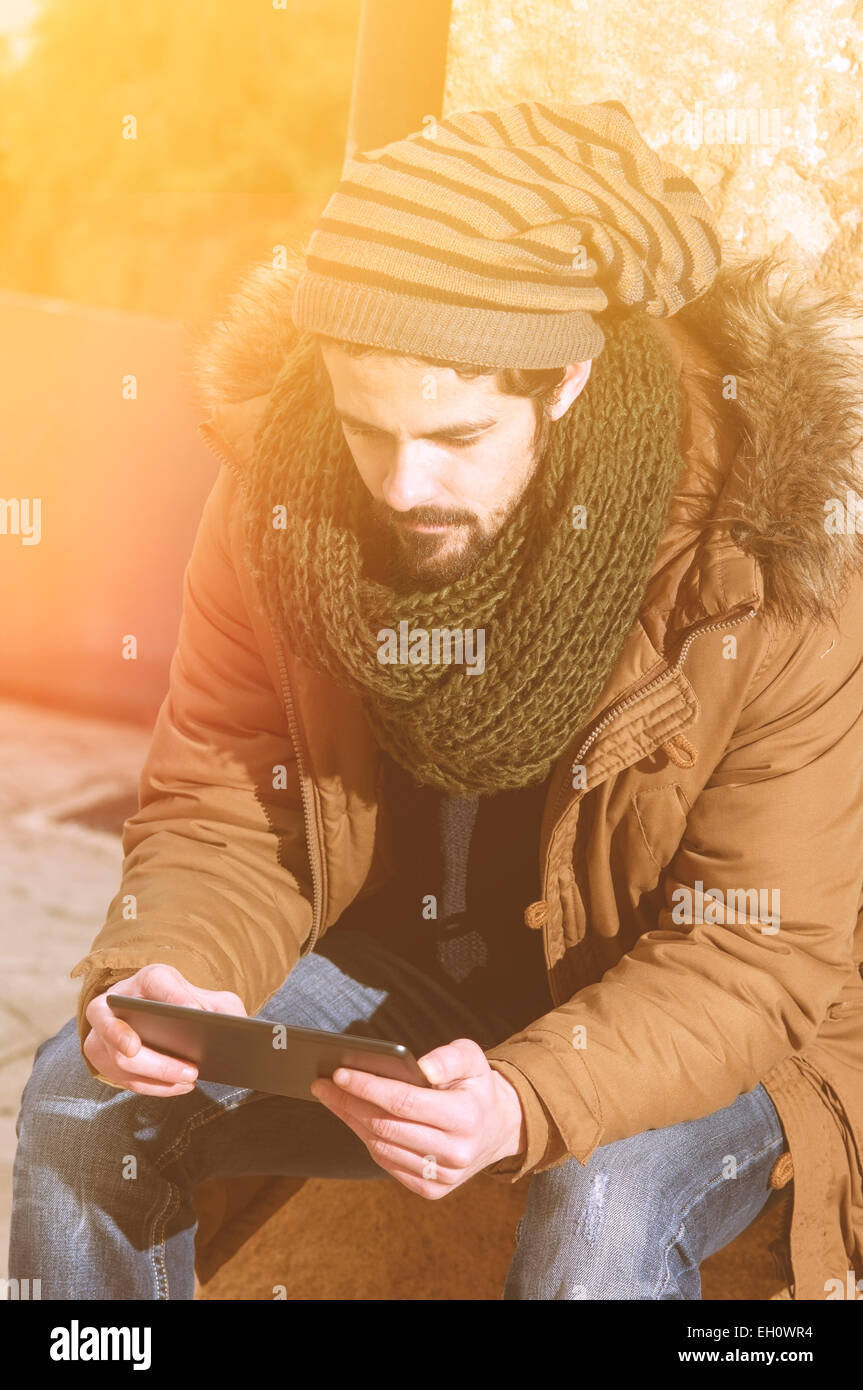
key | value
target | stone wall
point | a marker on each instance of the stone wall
(758, 101)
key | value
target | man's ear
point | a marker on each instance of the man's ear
(572, 385)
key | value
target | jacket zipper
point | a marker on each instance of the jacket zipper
(612, 713)
(653, 684)
(209, 435)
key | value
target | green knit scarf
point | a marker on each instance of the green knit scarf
(555, 600)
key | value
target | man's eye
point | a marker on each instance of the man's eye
(454, 443)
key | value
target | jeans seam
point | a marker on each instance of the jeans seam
(698, 1197)
(158, 1253)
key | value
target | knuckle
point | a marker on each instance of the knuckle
(458, 1121)
(403, 1103)
(468, 1115)
(380, 1151)
(95, 1010)
(158, 973)
(382, 1128)
(334, 1103)
(141, 1088)
(112, 1032)
(382, 1163)
(459, 1155)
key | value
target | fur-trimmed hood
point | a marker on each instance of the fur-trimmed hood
(776, 366)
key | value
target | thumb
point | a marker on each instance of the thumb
(455, 1061)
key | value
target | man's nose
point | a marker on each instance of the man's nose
(409, 479)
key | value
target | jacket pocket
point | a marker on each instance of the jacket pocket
(659, 816)
(661, 813)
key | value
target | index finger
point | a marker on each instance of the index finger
(157, 983)
(160, 983)
(421, 1103)
(111, 1029)
(150, 1065)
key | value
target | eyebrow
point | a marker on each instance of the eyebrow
(447, 432)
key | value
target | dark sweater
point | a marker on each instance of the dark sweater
(476, 860)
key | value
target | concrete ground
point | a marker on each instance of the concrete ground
(56, 880)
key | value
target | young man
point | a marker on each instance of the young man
(515, 716)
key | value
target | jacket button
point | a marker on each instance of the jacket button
(680, 751)
(837, 1011)
(782, 1171)
(536, 914)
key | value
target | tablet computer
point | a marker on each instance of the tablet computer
(258, 1054)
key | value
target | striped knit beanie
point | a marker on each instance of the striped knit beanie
(494, 238)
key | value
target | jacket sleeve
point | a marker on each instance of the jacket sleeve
(697, 1013)
(215, 877)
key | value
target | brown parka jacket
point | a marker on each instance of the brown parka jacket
(723, 760)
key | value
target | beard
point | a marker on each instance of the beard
(411, 561)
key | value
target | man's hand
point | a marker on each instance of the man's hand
(431, 1140)
(116, 1051)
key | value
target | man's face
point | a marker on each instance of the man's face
(446, 460)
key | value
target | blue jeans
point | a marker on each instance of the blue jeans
(103, 1178)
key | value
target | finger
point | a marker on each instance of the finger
(144, 1062)
(158, 982)
(406, 1102)
(325, 1092)
(424, 1166)
(432, 1191)
(110, 1029)
(376, 1125)
(150, 1065)
(453, 1062)
(418, 1171)
(143, 1087)
(102, 1059)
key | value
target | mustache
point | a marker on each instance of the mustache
(422, 516)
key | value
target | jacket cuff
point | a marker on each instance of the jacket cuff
(562, 1112)
(536, 1124)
